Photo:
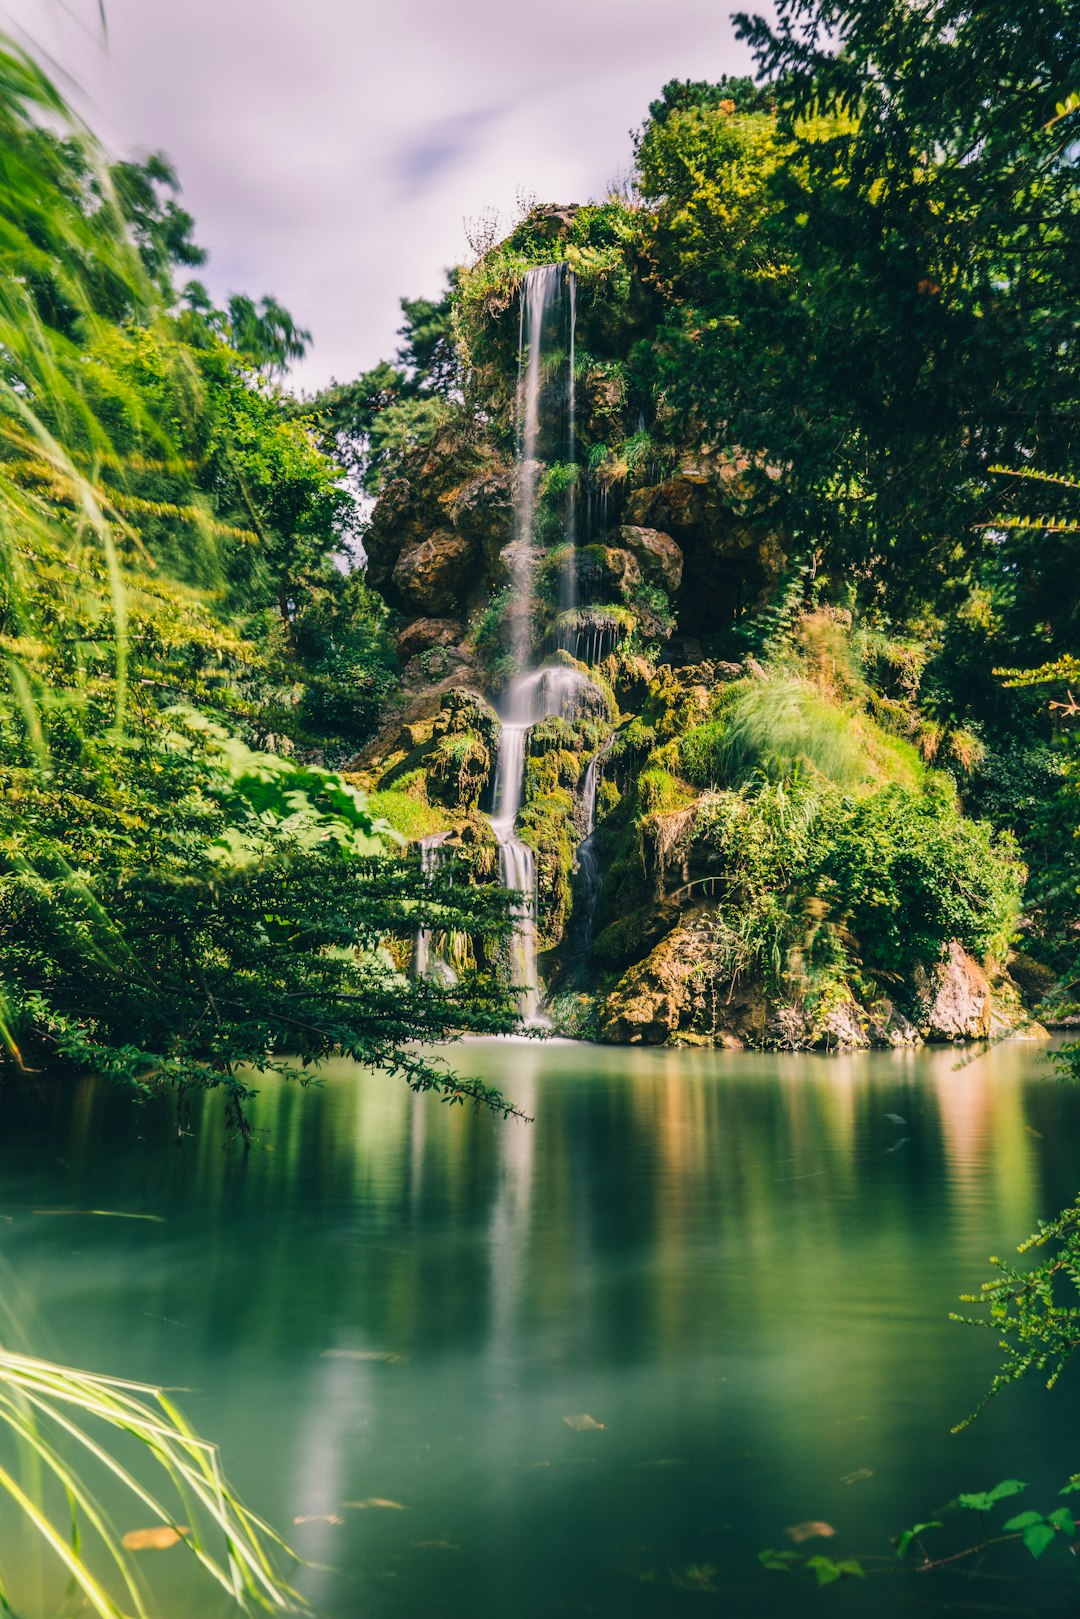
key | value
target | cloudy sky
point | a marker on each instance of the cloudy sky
(334, 151)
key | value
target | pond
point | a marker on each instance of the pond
(738, 1268)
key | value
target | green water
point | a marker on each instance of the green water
(739, 1265)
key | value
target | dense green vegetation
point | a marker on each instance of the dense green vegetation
(827, 594)
(826, 356)
(187, 893)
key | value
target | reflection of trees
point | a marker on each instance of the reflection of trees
(711, 1253)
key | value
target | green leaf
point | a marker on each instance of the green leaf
(1023, 1520)
(783, 1561)
(1038, 1537)
(903, 1541)
(1062, 1519)
(851, 1569)
(825, 1570)
(989, 1498)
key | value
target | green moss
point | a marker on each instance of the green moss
(546, 824)
(660, 793)
(411, 816)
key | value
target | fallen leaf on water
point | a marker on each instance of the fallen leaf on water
(107, 1214)
(318, 1517)
(390, 1356)
(154, 1540)
(859, 1474)
(583, 1423)
(1033, 1132)
(436, 1545)
(812, 1529)
(376, 1501)
(529, 1465)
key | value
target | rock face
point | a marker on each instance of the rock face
(667, 993)
(436, 530)
(957, 1000)
(431, 576)
(718, 515)
(660, 559)
(424, 633)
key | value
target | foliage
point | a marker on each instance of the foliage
(1035, 1313)
(784, 724)
(179, 908)
(370, 423)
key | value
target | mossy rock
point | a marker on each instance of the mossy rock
(630, 938)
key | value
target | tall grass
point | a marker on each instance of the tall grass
(58, 1413)
(783, 726)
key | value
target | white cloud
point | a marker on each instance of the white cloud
(330, 151)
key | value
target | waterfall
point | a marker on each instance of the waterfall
(569, 580)
(531, 697)
(548, 316)
(545, 422)
(589, 874)
(428, 962)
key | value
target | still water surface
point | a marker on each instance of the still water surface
(739, 1265)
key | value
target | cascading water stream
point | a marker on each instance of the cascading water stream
(426, 962)
(589, 873)
(548, 320)
(545, 291)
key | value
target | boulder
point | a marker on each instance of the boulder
(437, 670)
(607, 573)
(481, 506)
(842, 1028)
(660, 558)
(669, 993)
(633, 935)
(551, 220)
(431, 576)
(957, 1003)
(889, 1027)
(423, 633)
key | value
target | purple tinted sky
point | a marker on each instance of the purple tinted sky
(332, 150)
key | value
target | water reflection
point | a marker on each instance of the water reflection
(741, 1266)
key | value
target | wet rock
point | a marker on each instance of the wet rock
(423, 633)
(432, 576)
(660, 558)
